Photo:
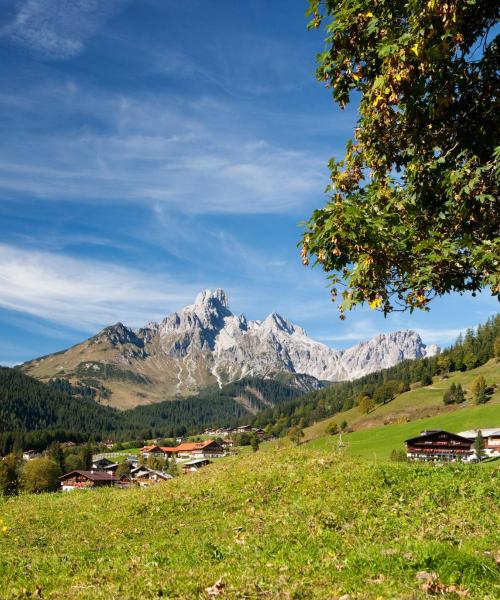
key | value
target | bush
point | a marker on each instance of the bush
(9, 479)
(332, 428)
(398, 455)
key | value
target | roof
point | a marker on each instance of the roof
(138, 470)
(485, 432)
(91, 475)
(190, 446)
(196, 462)
(435, 432)
(157, 449)
(103, 460)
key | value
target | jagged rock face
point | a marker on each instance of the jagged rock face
(205, 343)
(231, 346)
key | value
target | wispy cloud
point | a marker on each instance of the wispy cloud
(58, 29)
(149, 150)
(85, 294)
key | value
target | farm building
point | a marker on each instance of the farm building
(194, 465)
(144, 476)
(439, 445)
(85, 479)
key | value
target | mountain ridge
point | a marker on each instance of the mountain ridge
(205, 343)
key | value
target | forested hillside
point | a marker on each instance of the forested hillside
(34, 414)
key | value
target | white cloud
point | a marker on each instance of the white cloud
(149, 150)
(85, 294)
(58, 29)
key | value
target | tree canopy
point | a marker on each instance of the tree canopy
(413, 209)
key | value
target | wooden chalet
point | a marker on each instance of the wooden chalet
(75, 480)
(439, 445)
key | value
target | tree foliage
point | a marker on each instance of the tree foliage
(479, 446)
(40, 475)
(9, 477)
(478, 389)
(295, 434)
(454, 394)
(413, 209)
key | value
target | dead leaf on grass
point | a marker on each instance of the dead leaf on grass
(217, 588)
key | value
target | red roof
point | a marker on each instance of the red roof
(157, 449)
(190, 446)
(149, 448)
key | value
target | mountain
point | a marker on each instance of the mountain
(205, 344)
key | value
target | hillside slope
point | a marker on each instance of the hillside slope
(286, 523)
(378, 442)
(418, 403)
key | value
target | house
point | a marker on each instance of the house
(132, 460)
(439, 445)
(243, 429)
(30, 454)
(206, 449)
(144, 476)
(157, 451)
(85, 479)
(195, 465)
(125, 481)
(100, 464)
(491, 437)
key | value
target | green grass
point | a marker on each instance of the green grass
(296, 523)
(378, 442)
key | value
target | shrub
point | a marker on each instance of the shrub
(398, 455)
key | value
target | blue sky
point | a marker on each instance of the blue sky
(152, 149)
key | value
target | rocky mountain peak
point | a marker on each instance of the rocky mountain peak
(118, 335)
(277, 322)
(207, 298)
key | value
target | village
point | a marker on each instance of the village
(154, 464)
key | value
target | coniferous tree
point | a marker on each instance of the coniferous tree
(479, 446)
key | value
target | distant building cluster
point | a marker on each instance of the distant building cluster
(225, 432)
(186, 450)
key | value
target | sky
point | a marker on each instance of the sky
(151, 149)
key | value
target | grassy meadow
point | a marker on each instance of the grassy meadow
(308, 522)
(299, 523)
